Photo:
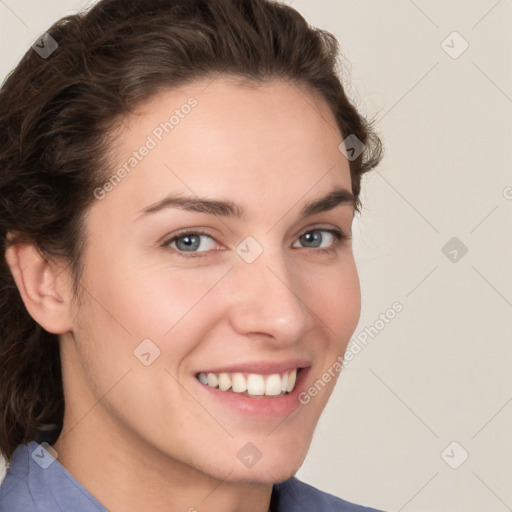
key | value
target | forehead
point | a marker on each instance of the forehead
(266, 144)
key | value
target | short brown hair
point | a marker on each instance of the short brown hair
(56, 114)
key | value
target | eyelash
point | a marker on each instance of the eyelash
(339, 237)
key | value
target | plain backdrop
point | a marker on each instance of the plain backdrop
(420, 419)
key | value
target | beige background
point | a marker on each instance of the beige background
(439, 372)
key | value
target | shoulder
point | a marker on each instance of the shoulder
(15, 493)
(37, 482)
(293, 495)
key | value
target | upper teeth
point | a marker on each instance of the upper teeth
(253, 383)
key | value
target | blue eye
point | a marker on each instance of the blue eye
(313, 236)
(188, 241)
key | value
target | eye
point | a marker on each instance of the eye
(187, 241)
(313, 236)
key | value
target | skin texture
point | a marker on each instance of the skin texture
(148, 437)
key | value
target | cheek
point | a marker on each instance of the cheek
(151, 300)
(121, 314)
(335, 297)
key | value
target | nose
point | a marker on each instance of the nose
(266, 299)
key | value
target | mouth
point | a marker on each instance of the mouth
(252, 384)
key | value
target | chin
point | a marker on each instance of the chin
(261, 476)
(272, 471)
(263, 472)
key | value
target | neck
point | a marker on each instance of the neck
(123, 474)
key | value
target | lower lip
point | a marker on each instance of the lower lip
(261, 406)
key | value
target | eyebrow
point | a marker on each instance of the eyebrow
(222, 208)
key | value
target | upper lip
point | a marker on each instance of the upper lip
(262, 367)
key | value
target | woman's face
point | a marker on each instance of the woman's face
(239, 293)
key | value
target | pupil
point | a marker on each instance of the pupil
(188, 240)
(315, 235)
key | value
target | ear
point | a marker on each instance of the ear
(43, 285)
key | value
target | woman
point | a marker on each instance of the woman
(178, 181)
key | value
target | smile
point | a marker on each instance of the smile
(251, 384)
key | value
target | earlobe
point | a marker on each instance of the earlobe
(41, 284)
